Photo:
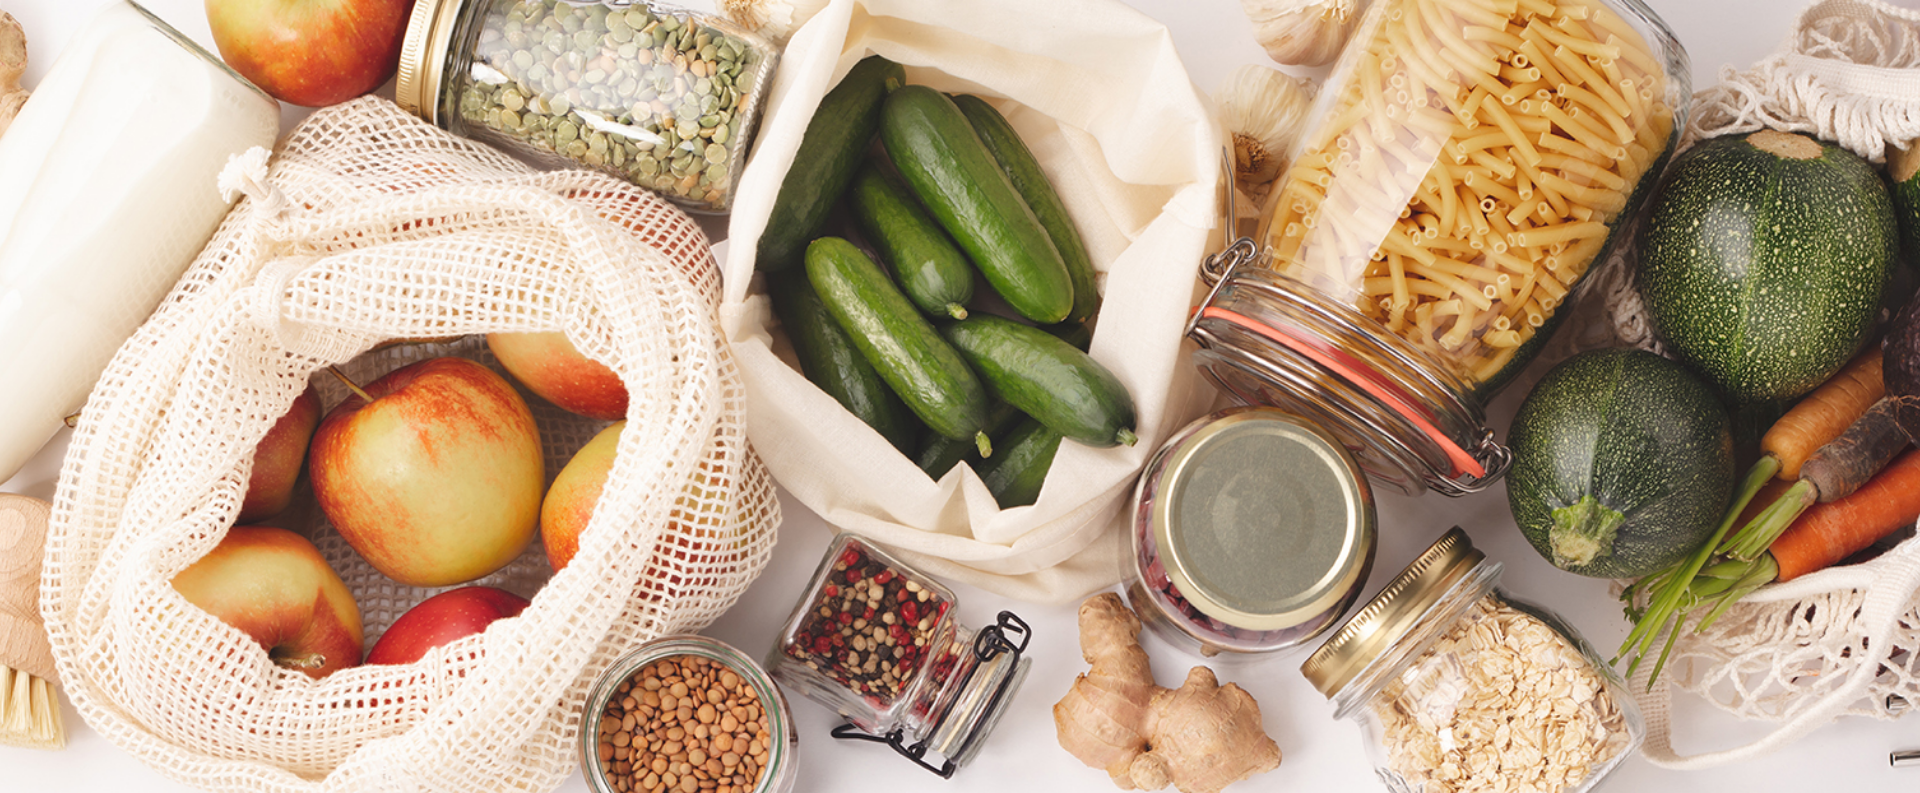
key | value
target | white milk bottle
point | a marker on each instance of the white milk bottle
(107, 192)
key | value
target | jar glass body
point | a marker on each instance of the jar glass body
(666, 99)
(1471, 163)
(779, 760)
(1488, 685)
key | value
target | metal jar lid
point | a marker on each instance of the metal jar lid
(1263, 521)
(1392, 613)
(423, 57)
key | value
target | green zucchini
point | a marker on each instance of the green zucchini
(926, 265)
(923, 370)
(830, 153)
(1763, 260)
(950, 170)
(1015, 474)
(1023, 169)
(1046, 378)
(1903, 170)
(829, 360)
(1622, 464)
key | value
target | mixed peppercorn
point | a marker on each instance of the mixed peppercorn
(870, 627)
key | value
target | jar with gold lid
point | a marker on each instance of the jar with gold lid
(663, 98)
(1458, 685)
(1472, 161)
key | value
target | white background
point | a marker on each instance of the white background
(1321, 754)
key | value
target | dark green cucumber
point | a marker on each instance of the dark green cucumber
(830, 360)
(1023, 169)
(935, 275)
(1074, 333)
(1622, 464)
(830, 153)
(1763, 260)
(950, 170)
(929, 375)
(1046, 378)
(1015, 473)
(939, 453)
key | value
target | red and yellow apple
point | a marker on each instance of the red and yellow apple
(275, 587)
(311, 52)
(576, 491)
(278, 457)
(441, 619)
(551, 366)
(435, 475)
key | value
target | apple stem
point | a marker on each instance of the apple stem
(351, 386)
(300, 661)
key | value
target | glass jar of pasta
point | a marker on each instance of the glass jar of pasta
(1471, 161)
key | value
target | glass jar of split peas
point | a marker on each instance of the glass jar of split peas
(1471, 161)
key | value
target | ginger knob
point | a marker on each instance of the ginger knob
(13, 63)
(1199, 738)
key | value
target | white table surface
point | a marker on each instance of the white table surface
(1321, 754)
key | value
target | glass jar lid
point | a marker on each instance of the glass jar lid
(1393, 613)
(1264, 520)
(423, 57)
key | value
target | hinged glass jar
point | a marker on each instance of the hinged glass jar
(742, 735)
(878, 642)
(1472, 160)
(1457, 684)
(665, 99)
(1253, 532)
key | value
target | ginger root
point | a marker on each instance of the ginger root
(13, 63)
(1199, 738)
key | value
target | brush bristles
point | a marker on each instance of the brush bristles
(29, 712)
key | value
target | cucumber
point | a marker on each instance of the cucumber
(939, 453)
(1622, 464)
(1014, 475)
(1023, 169)
(1763, 260)
(829, 360)
(909, 354)
(943, 161)
(1074, 333)
(926, 265)
(830, 153)
(1046, 378)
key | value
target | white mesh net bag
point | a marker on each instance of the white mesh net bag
(369, 226)
(1842, 641)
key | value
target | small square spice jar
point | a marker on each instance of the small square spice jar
(878, 642)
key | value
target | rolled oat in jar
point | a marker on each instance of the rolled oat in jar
(1460, 687)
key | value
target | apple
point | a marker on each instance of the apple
(434, 473)
(274, 586)
(278, 457)
(441, 619)
(311, 52)
(549, 365)
(571, 500)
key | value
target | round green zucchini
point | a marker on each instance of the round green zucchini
(1622, 463)
(1763, 260)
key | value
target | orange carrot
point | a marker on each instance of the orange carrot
(1825, 413)
(1830, 532)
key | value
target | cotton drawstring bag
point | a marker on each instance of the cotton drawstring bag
(369, 226)
(1134, 152)
(1842, 641)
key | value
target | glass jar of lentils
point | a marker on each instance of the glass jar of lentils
(878, 642)
(665, 99)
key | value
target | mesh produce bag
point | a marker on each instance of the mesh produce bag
(369, 226)
(1842, 641)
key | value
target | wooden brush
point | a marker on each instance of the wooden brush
(29, 698)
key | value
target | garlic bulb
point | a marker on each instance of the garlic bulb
(1262, 108)
(775, 19)
(1303, 32)
(13, 63)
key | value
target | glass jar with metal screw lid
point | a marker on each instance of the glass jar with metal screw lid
(665, 99)
(1469, 164)
(1457, 685)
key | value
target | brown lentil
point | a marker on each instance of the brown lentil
(646, 748)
